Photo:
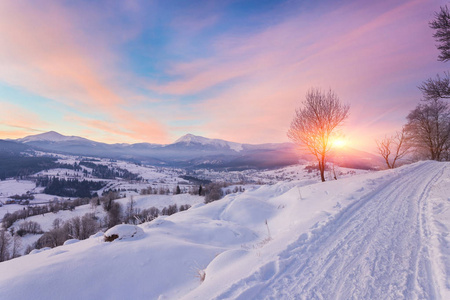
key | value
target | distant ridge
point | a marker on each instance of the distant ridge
(192, 151)
(51, 136)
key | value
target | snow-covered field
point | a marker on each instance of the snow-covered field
(380, 235)
(14, 187)
(299, 171)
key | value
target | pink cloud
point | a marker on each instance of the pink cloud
(128, 128)
(366, 54)
(43, 51)
(18, 122)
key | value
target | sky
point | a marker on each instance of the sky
(152, 71)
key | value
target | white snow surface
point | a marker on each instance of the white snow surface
(12, 187)
(125, 231)
(382, 235)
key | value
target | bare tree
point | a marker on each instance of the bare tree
(436, 88)
(114, 215)
(131, 211)
(213, 192)
(314, 124)
(89, 226)
(5, 241)
(396, 145)
(16, 246)
(439, 87)
(74, 227)
(441, 25)
(429, 129)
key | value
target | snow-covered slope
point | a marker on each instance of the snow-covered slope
(379, 235)
(189, 139)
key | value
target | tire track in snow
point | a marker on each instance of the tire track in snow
(376, 248)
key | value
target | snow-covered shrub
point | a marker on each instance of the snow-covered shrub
(201, 274)
(123, 231)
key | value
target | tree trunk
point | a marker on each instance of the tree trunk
(322, 168)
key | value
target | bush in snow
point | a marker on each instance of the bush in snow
(107, 199)
(148, 214)
(29, 227)
(172, 209)
(184, 207)
(75, 228)
(123, 231)
(114, 216)
(213, 192)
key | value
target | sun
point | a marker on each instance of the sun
(339, 143)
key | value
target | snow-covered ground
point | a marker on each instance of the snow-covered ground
(299, 171)
(13, 187)
(380, 235)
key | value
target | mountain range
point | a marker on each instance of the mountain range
(191, 151)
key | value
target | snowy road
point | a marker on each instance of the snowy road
(376, 248)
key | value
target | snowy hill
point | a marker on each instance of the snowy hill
(380, 235)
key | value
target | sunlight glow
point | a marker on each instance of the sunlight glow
(339, 143)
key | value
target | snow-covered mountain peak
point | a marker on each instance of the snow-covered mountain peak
(188, 138)
(195, 139)
(51, 136)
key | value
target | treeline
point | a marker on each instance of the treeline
(18, 166)
(68, 187)
(105, 172)
(196, 180)
(213, 191)
(165, 190)
(27, 196)
(74, 166)
(52, 207)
